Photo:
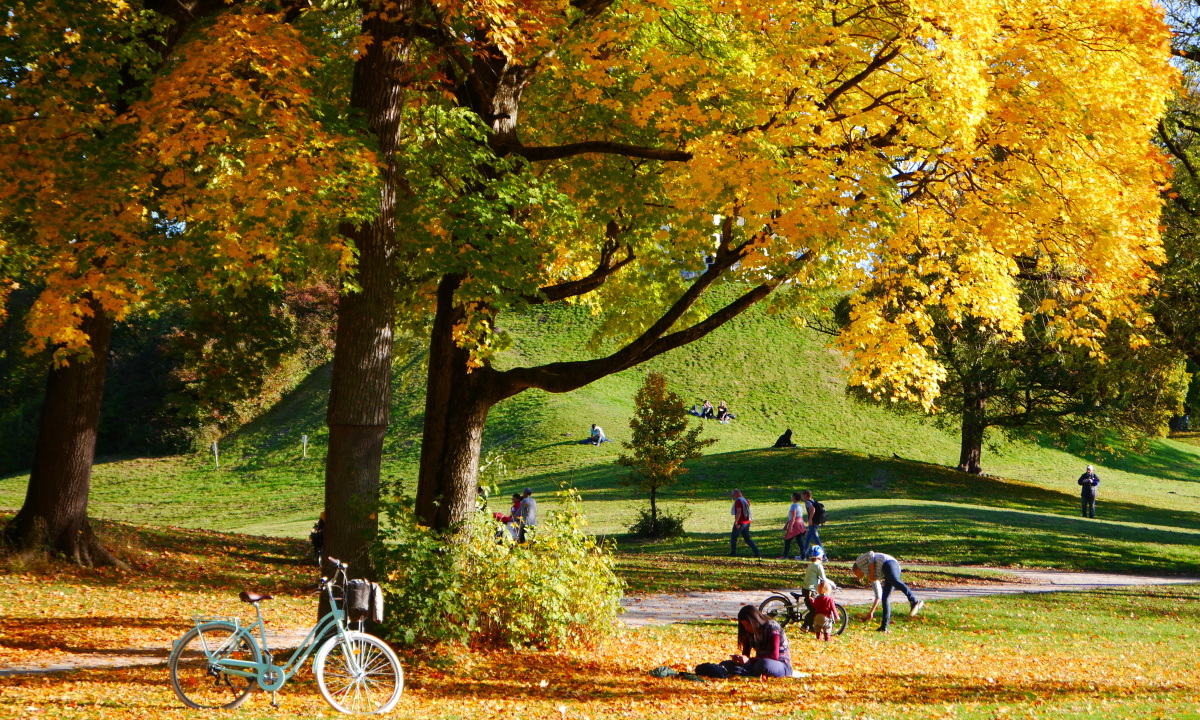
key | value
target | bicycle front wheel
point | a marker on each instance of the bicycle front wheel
(777, 608)
(839, 625)
(359, 675)
(196, 674)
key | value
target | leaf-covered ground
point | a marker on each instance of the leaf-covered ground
(1127, 653)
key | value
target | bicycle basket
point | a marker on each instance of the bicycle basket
(358, 599)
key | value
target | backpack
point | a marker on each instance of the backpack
(818, 517)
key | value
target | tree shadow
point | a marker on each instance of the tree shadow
(1166, 461)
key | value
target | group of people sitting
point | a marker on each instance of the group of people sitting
(708, 412)
(521, 516)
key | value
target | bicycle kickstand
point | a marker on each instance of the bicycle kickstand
(274, 701)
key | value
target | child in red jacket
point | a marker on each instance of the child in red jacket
(824, 611)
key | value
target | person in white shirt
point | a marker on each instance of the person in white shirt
(528, 513)
(883, 572)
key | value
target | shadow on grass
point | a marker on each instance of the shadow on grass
(770, 475)
(1164, 460)
(71, 634)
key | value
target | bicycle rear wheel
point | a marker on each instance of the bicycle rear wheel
(196, 676)
(839, 625)
(373, 688)
(777, 608)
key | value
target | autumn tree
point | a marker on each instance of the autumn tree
(634, 156)
(661, 442)
(137, 159)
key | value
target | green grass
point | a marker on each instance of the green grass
(884, 476)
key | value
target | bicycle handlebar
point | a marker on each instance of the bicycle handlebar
(337, 563)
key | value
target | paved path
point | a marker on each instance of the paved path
(641, 610)
(664, 609)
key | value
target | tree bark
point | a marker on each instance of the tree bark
(457, 402)
(360, 391)
(974, 422)
(55, 511)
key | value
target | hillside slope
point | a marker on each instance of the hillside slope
(878, 469)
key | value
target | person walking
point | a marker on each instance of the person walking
(527, 512)
(883, 572)
(1088, 482)
(794, 528)
(811, 536)
(741, 524)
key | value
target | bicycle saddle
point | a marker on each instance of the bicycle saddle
(249, 597)
(797, 595)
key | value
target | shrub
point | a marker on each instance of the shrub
(665, 525)
(477, 586)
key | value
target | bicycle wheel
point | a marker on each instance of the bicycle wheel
(777, 608)
(371, 689)
(839, 625)
(196, 681)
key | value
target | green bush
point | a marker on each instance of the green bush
(665, 525)
(477, 586)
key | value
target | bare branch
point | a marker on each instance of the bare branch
(606, 268)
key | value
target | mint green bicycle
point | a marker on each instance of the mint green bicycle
(217, 663)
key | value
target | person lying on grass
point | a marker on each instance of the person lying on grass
(883, 572)
(763, 636)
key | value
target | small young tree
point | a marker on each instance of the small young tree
(661, 441)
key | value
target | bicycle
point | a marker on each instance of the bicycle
(216, 664)
(784, 611)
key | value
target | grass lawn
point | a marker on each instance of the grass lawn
(1117, 653)
(883, 476)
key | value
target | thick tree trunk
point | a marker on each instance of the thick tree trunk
(456, 409)
(55, 511)
(360, 392)
(974, 422)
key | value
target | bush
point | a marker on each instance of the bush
(477, 586)
(666, 525)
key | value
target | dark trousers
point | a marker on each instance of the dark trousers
(742, 529)
(891, 580)
(787, 544)
(811, 537)
(1088, 500)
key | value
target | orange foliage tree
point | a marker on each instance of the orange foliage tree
(634, 156)
(138, 159)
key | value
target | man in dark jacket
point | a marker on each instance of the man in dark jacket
(1088, 482)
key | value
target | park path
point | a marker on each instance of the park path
(664, 609)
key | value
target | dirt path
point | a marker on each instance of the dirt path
(641, 610)
(663, 609)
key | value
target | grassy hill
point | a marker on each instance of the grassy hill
(884, 475)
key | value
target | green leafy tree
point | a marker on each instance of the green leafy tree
(661, 441)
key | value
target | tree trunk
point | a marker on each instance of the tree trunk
(653, 509)
(360, 392)
(974, 422)
(55, 510)
(456, 409)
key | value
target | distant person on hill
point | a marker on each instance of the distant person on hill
(723, 414)
(811, 519)
(795, 527)
(706, 410)
(527, 513)
(883, 572)
(595, 437)
(785, 440)
(512, 521)
(317, 538)
(741, 524)
(1088, 482)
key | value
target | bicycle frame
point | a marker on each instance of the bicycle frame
(272, 677)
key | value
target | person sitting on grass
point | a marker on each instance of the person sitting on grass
(883, 572)
(764, 637)
(595, 437)
(785, 440)
(825, 611)
(723, 414)
(706, 411)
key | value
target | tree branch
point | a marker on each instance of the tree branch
(878, 62)
(599, 147)
(605, 269)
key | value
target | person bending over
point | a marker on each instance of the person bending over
(883, 572)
